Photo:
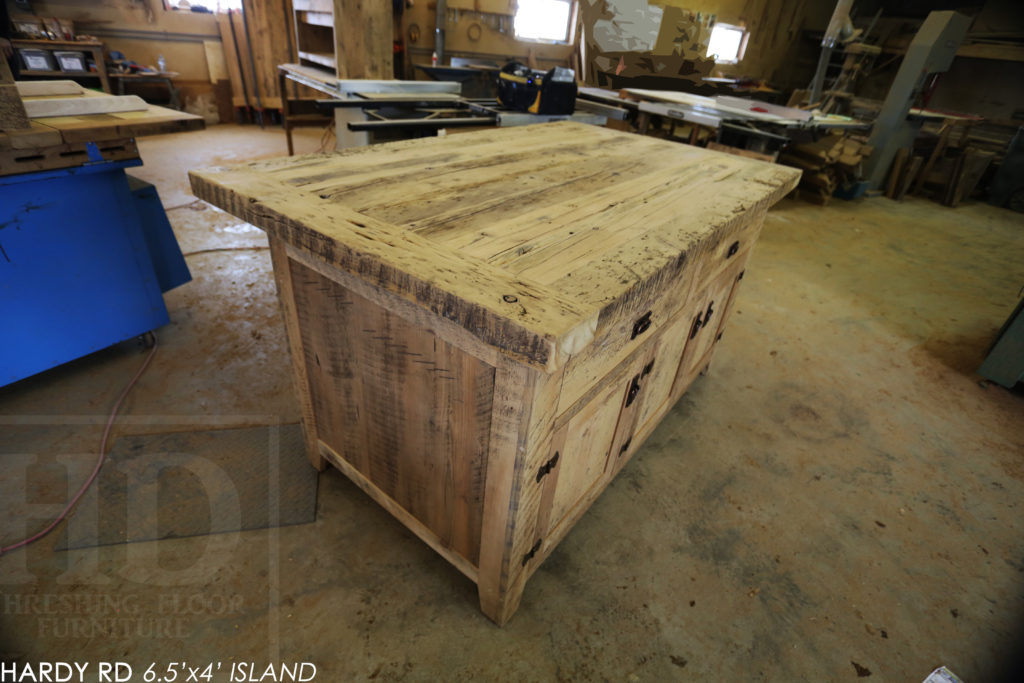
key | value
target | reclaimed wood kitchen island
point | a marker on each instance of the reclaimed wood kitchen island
(485, 327)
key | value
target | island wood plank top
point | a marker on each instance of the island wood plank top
(530, 237)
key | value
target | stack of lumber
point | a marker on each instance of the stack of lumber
(253, 47)
(829, 163)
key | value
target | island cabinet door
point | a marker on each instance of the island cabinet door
(578, 461)
(649, 392)
(591, 442)
(706, 315)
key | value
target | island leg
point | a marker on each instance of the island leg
(285, 293)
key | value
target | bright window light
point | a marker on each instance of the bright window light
(543, 19)
(215, 5)
(726, 43)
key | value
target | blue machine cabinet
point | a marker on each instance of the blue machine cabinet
(85, 256)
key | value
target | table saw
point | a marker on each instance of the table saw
(368, 111)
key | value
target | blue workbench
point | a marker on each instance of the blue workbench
(86, 254)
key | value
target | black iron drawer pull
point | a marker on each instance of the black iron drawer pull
(697, 324)
(642, 324)
(700, 322)
(547, 467)
(625, 445)
(533, 551)
(634, 389)
(733, 248)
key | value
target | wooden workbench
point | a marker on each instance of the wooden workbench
(484, 328)
(57, 142)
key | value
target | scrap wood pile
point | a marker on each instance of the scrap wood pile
(831, 163)
(948, 161)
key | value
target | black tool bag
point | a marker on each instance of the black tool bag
(525, 89)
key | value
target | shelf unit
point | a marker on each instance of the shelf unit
(349, 39)
(95, 49)
(314, 33)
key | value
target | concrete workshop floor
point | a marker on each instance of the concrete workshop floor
(840, 495)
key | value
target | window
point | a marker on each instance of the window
(727, 43)
(543, 20)
(212, 5)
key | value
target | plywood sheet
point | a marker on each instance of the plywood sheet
(42, 107)
(215, 61)
(152, 120)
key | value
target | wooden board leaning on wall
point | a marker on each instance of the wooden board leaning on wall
(267, 20)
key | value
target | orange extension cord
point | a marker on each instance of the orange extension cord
(99, 460)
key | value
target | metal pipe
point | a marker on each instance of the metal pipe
(818, 82)
(836, 25)
(252, 65)
(241, 67)
(439, 23)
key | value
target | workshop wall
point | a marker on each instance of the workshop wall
(479, 29)
(986, 86)
(989, 86)
(621, 25)
(141, 29)
(775, 27)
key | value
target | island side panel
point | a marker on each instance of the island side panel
(408, 411)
